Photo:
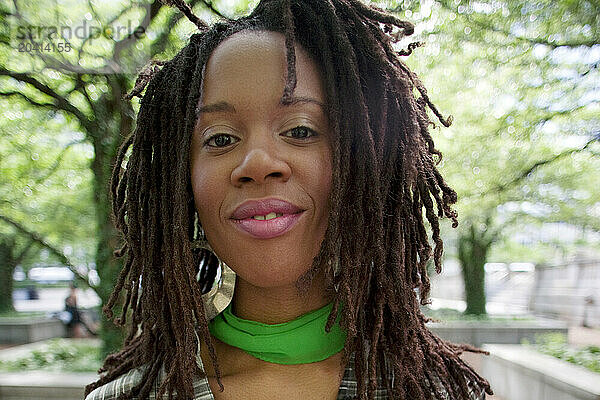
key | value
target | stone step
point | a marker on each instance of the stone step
(36, 385)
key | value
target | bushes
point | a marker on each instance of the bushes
(59, 355)
(450, 314)
(555, 345)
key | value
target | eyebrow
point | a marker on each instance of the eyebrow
(302, 99)
(223, 106)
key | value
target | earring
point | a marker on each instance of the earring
(219, 296)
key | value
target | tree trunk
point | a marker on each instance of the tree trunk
(7, 267)
(116, 124)
(473, 247)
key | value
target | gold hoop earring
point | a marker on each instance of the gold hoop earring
(219, 296)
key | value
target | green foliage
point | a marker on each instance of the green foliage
(46, 181)
(27, 283)
(19, 314)
(555, 345)
(59, 355)
(46, 188)
(450, 314)
(520, 87)
(520, 78)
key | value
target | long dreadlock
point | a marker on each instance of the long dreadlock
(374, 253)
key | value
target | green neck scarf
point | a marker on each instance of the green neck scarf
(300, 341)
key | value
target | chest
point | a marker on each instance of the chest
(290, 386)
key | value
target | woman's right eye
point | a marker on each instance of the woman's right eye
(220, 140)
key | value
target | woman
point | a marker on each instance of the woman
(290, 147)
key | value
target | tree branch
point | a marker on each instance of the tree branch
(160, 43)
(130, 39)
(56, 163)
(35, 237)
(567, 43)
(60, 102)
(28, 99)
(208, 4)
(524, 174)
(23, 253)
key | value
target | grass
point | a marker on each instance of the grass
(28, 283)
(18, 314)
(58, 355)
(450, 314)
(555, 345)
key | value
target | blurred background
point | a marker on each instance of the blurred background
(521, 273)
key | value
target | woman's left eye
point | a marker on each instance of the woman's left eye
(300, 132)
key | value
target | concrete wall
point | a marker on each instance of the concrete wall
(37, 385)
(519, 373)
(507, 292)
(22, 330)
(569, 291)
(510, 332)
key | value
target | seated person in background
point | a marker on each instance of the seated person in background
(76, 323)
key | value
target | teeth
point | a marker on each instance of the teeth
(270, 215)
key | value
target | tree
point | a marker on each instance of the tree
(520, 78)
(86, 85)
(474, 244)
(45, 198)
(10, 257)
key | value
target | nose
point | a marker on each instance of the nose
(261, 163)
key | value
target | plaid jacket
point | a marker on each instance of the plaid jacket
(347, 390)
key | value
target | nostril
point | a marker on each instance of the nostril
(245, 179)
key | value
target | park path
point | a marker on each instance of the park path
(580, 336)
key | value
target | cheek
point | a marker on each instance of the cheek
(326, 174)
(205, 188)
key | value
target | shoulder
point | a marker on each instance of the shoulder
(121, 385)
(125, 383)
(349, 384)
(475, 392)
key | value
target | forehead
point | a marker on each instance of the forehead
(256, 61)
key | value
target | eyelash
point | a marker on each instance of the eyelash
(310, 131)
(210, 139)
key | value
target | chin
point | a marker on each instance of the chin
(279, 276)
(270, 266)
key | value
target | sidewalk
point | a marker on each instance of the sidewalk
(580, 336)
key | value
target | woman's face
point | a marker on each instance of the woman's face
(261, 170)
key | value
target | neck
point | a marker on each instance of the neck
(277, 304)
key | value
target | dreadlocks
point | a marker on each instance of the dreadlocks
(374, 253)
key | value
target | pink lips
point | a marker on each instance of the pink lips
(266, 229)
